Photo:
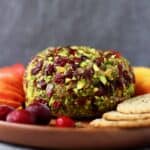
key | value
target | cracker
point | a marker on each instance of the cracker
(117, 116)
(135, 105)
(120, 124)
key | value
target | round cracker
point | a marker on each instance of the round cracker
(117, 116)
(135, 105)
(120, 124)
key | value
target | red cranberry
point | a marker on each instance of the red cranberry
(71, 50)
(57, 105)
(69, 74)
(49, 69)
(4, 111)
(99, 60)
(64, 121)
(59, 78)
(126, 76)
(120, 70)
(116, 53)
(42, 84)
(61, 61)
(37, 68)
(88, 73)
(77, 59)
(20, 116)
(41, 112)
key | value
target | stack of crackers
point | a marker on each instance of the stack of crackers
(134, 112)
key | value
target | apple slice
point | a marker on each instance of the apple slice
(6, 94)
(10, 87)
(10, 102)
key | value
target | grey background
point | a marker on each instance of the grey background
(27, 26)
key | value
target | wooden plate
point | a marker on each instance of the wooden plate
(51, 137)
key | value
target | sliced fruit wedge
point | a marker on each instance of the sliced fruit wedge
(10, 87)
(10, 102)
(6, 94)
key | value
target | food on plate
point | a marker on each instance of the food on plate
(4, 111)
(117, 116)
(134, 112)
(65, 121)
(78, 81)
(20, 116)
(121, 124)
(8, 94)
(142, 76)
(11, 85)
(10, 102)
(41, 112)
(135, 105)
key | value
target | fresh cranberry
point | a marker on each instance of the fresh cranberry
(20, 116)
(59, 78)
(64, 121)
(4, 111)
(41, 112)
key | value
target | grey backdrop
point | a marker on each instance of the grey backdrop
(27, 26)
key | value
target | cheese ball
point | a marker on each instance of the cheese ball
(78, 81)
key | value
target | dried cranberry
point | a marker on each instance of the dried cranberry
(100, 92)
(42, 84)
(126, 76)
(71, 51)
(56, 51)
(34, 71)
(37, 68)
(88, 73)
(59, 78)
(61, 61)
(57, 105)
(119, 83)
(116, 53)
(120, 70)
(49, 90)
(42, 101)
(77, 59)
(49, 69)
(99, 60)
(81, 101)
(69, 74)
